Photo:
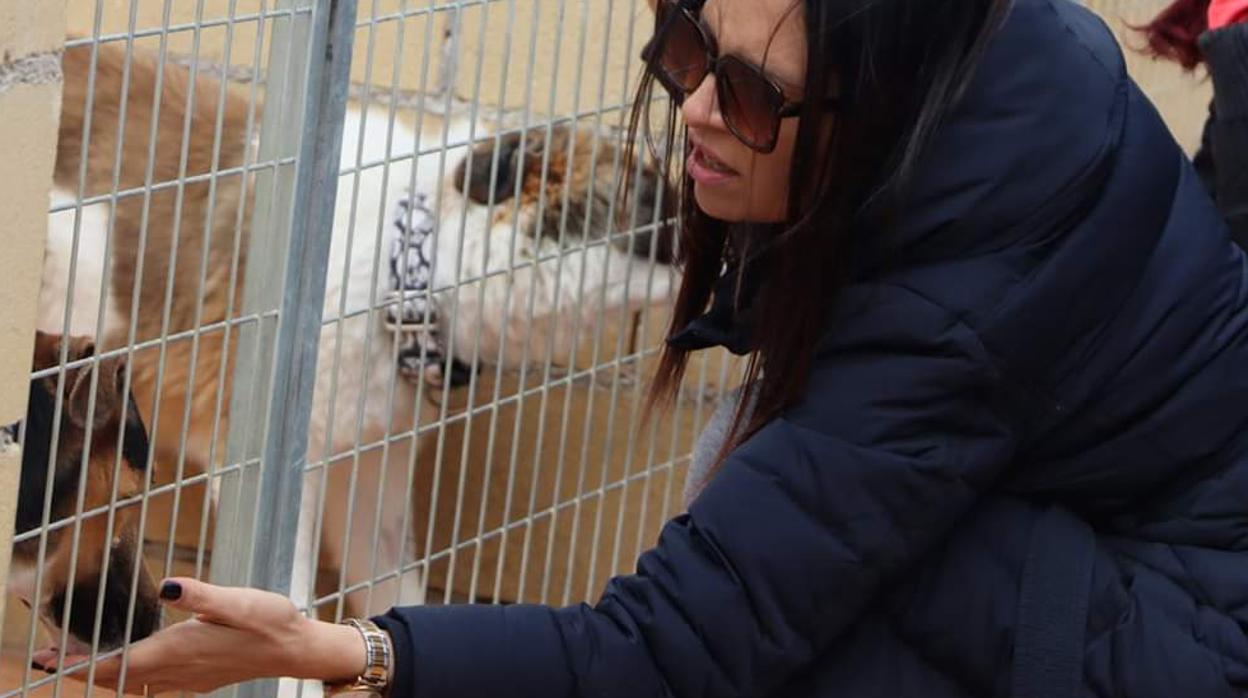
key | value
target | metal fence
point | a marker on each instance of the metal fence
(363, 273)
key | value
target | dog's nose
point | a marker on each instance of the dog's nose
(113, 620)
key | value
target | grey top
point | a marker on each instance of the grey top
(709, 443)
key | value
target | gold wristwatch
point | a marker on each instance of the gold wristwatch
(380, 660)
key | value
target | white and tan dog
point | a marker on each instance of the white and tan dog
(177, 257)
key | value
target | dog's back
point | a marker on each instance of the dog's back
(150, 126)
(174, 151)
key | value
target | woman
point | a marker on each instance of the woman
(997, 443)
(1215, 33)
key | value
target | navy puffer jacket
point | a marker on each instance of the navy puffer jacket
(1021, 466)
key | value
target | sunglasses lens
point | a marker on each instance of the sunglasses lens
(684, 59)
(750, 103)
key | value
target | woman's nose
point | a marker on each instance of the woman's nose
(701, 107)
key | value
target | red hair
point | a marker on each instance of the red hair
(1174, 34)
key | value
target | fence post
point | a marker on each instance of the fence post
(306, 94)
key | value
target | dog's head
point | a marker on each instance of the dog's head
(76, 583)
(566, 182)
(547, 244)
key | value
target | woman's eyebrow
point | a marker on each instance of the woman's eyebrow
(785, 83)
(789, 87)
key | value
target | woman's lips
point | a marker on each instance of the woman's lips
(708, 170)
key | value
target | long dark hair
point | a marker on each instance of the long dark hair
(898, 68)
(1174, 34)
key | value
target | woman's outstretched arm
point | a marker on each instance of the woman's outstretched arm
(904, 427)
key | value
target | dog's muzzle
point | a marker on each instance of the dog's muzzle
(411, 309)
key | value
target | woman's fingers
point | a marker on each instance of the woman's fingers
(145, 668)
(143, 664)
(234, 635)
(204, 600)
(46, 658)
(106, 673)
(235, 607)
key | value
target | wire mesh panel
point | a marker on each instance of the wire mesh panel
(187, 241)
(341, 300)
(486, 443)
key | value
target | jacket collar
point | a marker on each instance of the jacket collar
(729, 322)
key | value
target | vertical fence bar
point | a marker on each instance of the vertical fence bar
(268, 243)
(288, 262)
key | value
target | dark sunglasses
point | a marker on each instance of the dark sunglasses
(682, 53)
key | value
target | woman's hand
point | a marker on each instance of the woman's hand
(234, 635)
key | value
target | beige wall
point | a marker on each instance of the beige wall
(583, 36)
(600, 40)
(30, 34)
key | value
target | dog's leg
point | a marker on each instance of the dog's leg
(303, 577)
(373, 557)
(398, 547)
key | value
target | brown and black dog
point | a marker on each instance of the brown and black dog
(77, 455)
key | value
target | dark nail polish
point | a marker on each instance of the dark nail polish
(171, 591)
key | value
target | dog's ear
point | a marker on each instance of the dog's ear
(80, 348)
(109, 398)
(136, 446)
(46, 345)
(482, 185)
(48, 349)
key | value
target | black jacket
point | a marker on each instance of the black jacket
(1020, 467)
(1223, 157)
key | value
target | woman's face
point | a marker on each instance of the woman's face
(731, 181)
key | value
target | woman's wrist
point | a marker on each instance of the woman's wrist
(333, 653)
